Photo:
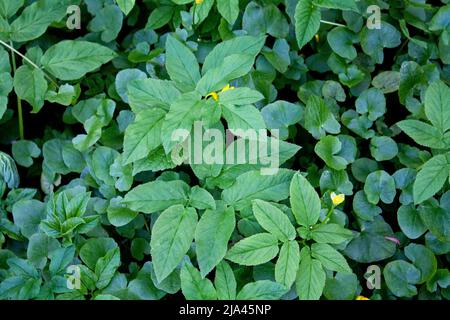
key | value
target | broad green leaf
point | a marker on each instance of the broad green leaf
(383, 148)
(410, 222)
(423, 259)
(31, 86)
(423, 133)
(431, 177)
(257, 249)
(24, 151)
(72, 59)
(343, 286)
(310, 280)
(240, 96)
(248, 45)
(27, 215)
(225, 282)
(273, 220)
(229, 9)
(94, 249)
(262, 290)
(307, 21)
(436, 219)
(243, 118)
(126, 5)
(144, 135)
(329, 257)
(380, 186)
(319, 119)
(253, 185)
(371, 102)
(181, 64)
(436, 109)
(373, 41)
(329, 149)
(341, 40)
(9, 8)
(304, 200)
(330, 233)
(232, 67)
(287, 264)
(108, 22)
(106, 267)
(400, 277)
(201, 199)
(143, 287)
(194, 287)
(144, 94)
(156, 196)
(172, 236)
(211, 237)
(338, 4)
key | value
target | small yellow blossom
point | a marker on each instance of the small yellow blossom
(361, 298)
(227, 87)
(316, 36)
(198, 1)
(214, 95)
(337, 198)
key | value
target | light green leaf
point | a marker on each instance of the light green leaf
(225, 282)
(431, 177)
(126, 5)
(194, 287)
(262, 290)
(31, 86)
(304, 200)
(330, 233)
(72, 59)
(273, 220)
(211, 237)
(437, 97)
(307, 21)
(329, 257)
(423, 133)
(172, 236)
(288, 263)
(311, 277)
(254, 250)
(229, 9)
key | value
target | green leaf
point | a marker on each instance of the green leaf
(319, 119)
(145, 94)
(118, 214)
(343, 286)
(24, 151)
(337, 4)
(288, 263)
(36, 18)
(27, 216)
(410, 222)
(94, 249)
(329, 257)
(383, 148)
(240, 96)
(143, 287)
(247, 45)
(181, 64)
(225, 282)
(423, 259)
(253, 185)
(373, 41)
(31, 86)
(304, 200)
(307, 21)
(201, 199)
(436, 109)
(232, 67)
(311, 277)
(143, 135)
(436, 219)
(371, 245)
(229, 9)
(371, 102)
(172, 236)
(156, 196)
(380, 186)
(211, 237)
(126, 5)
(329, 149)
(257, 249)
(262, 290)
(108, 22)
(243, 117)
(341, 40)
(9, 8)
(400, 277)
(72, 59)
(194, 287)
(106, 267)
(273, 220)
(330, 233)
(431, 178)
(423, 133)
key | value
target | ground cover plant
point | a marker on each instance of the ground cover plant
(224, 149)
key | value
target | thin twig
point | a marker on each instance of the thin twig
(10, 47)
(333, 23)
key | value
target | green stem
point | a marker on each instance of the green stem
(10, 47)
(328, 215)
(19, 102)
(333, 23)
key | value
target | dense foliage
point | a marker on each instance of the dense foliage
(94, 205)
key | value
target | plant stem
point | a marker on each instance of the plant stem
(328, 215)
(332, 23)
(19, 102)
(10, 47)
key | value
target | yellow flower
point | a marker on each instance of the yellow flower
(337, 198)
(214, 95)
(227, 87)
(198, 1)
(361, 298)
